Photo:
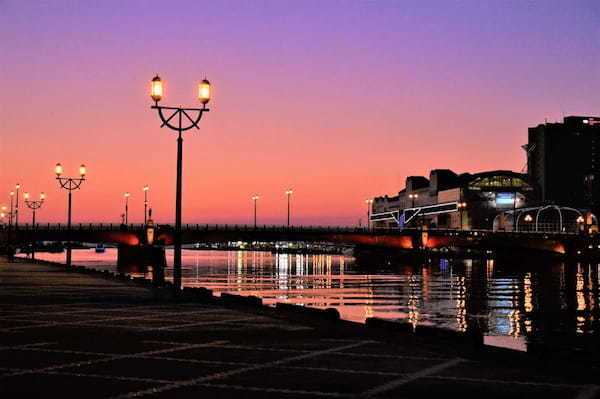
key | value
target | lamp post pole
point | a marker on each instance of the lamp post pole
(178, 113)
(146, 188)
(34, 206)
(10, 217)
(413, 197)
(18, 186)
(69, 184)
(127, 208)
(289, 195)
(461, 207)
(255, 198)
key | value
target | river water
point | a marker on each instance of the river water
(503, 299)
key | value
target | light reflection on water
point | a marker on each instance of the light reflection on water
(502, 299)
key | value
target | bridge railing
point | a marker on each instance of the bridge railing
(277, 228)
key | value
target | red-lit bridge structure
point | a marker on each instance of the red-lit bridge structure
(407, 239)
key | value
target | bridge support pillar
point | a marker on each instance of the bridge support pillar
(143, 259)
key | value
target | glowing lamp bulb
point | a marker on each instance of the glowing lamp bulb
(42, 196)
(127, 195)
(82, 170)
(26, 196)
(146, 188)
(18, 186)
(204, 91)
(156, 89)
(58, 169)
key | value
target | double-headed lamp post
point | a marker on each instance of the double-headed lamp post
(173, 118)
(146, 188)
(70, 184)
(34, 206)
(289, 196)
(127, 195)
(369, 203)
(255, 198)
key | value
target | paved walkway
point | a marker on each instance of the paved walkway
(67, 334)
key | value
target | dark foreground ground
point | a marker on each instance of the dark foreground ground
(69, 334)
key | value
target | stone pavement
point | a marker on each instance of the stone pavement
(69, 334)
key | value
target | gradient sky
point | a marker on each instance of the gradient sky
(338, 100)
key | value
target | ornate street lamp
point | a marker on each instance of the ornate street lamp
(173, 118)
(70, 184)
(255, 198)
(289, 195)
(127, 195)
(34, 206)
(146, 188)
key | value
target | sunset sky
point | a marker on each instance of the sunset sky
(337, 100)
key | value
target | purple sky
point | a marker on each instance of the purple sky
(338, 100)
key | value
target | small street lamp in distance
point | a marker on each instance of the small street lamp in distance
(34, 206)
(146, 188)
(289, 195)
(255, 198)
(369, 202)
(70, 184)
(127, 195)
(461, 207)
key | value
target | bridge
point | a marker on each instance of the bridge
(407, 239)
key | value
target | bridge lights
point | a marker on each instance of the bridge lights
(173, 118)
(34, 206)
(70, 184)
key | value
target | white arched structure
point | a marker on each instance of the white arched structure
(518, 214)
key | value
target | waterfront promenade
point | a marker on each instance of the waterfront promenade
(73, 334)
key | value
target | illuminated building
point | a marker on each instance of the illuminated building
(563, 161)
(448, 200)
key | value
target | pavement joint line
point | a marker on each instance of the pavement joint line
(26, 346)
(91, 321)
(108, 376)
(109, 359)
(513, 382)
(588, 392)
(349, 371)
(66, 351)
(274, 390)
(350, 354)
(410, 377)
(230, 373)
(196, 324)
(149, 315)
(198, 361)
(83, 310)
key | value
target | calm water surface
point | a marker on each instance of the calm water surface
(503, 299)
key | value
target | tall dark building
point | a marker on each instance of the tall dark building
(564, 162)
